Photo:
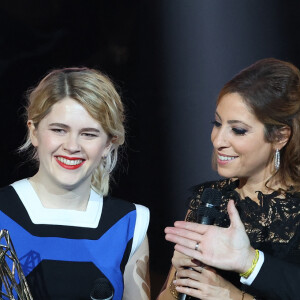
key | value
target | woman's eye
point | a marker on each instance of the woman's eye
(58, 130)
(89, 134)
(216, 123)
(239, 131)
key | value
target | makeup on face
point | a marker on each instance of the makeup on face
(70, 144)
(238, 139)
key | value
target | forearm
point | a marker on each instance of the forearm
(166, 295)
(136, 275)
(169, 292)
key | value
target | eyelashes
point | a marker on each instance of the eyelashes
(58, 130)
(89, 135)
(236, 130)
(61, 131)
(216, 123)
(239, 131)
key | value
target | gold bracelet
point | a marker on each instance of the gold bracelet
(172, 288)
(254, 262)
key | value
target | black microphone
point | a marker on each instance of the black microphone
(209, 207)
(102, 289)
(206, 214)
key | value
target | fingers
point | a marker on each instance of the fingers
(204, 291)
(196, 254)
(201, 266)
(198, 228)
(234, 216)
(180, 261)
(201, 273)
(184, 241)
(202, 285)
(188, 278)
(184, 237)
(188, 282)
(188, 273)
(194, 290)
(186, 233)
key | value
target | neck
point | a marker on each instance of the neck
(248, 188)
(53, 196)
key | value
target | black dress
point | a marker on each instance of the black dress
(273, 225)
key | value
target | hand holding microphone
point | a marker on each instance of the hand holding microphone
(211, 245)
(206, 214)
(223, 248)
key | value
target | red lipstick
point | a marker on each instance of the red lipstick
(67, 166)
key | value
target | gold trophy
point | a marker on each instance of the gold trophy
(13, 279)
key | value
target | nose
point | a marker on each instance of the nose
(219, 138)
(71, 144)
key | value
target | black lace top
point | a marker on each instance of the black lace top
(273, 226)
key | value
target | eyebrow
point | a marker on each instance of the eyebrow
(234, 121)
(90, 129)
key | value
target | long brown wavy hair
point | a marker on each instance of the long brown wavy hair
(271, 89)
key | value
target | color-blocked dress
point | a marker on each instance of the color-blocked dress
(62, 252)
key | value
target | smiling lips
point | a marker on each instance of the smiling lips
(224, 159)
(70, 163)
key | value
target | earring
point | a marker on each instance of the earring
(277, 159)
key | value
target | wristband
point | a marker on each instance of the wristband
(254, 262)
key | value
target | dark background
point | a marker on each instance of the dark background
(169, 59)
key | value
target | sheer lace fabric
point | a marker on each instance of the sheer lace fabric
(273, 225)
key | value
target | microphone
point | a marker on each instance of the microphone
(209, 208)
(102, 289)
(206, 214)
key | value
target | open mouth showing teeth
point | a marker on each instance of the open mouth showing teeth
(226, 158)
(69, 162)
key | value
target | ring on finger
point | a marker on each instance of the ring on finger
(197, 246)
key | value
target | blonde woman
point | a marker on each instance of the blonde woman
(67, 232)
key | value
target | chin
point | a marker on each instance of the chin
(69, 184)
(226, 173)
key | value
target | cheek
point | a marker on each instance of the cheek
(46, 141)
(96, 151)
(254, 149)
(243, 148)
